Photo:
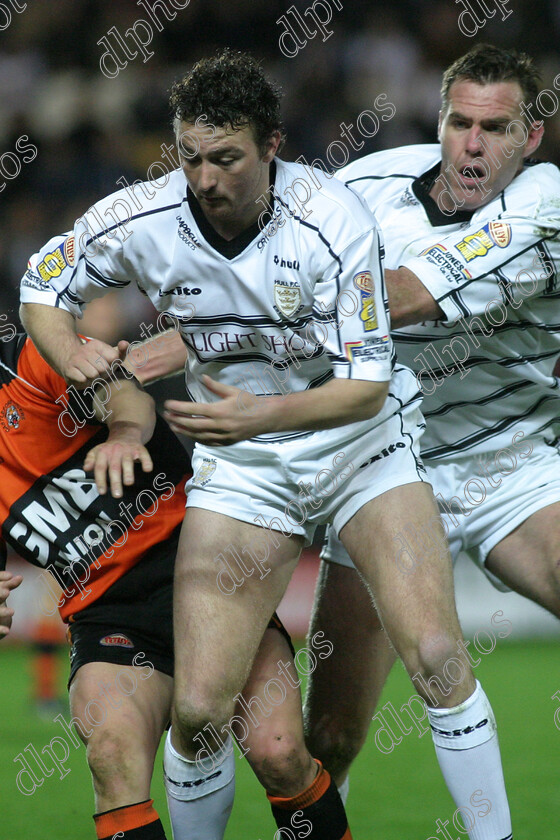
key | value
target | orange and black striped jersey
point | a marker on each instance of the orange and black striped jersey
(51, 512)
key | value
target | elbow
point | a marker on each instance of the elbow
(375, 400)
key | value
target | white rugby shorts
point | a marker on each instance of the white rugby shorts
(484, 498)
(295, 485)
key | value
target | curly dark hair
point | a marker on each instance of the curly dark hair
(229, 89)
(486, 64)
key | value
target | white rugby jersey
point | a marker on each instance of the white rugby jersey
(486, 370)
(275, 310)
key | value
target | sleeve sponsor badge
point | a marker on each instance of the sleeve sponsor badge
(56, 261)
(363, 281)
(478, 244)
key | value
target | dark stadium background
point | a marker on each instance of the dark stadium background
(90, 131)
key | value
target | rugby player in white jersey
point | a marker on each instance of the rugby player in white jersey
(295, 396)
(472, 239)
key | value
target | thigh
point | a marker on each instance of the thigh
(528, 559)
(223, 601)
(414, 597)
(125, 699)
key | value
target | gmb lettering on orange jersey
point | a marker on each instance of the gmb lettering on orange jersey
(68, 530)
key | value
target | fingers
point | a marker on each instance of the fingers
(8, 582)
(183, 408)
(116, 462)
(90, 361)
(219, 387)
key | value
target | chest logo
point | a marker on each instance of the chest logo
(11, 416)
(287, 297)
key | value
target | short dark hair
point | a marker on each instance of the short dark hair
(229, 89)
(486, 64)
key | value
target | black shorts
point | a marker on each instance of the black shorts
(134, 632)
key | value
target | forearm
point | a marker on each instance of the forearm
(157, 358)
(53, 332)
(337, 403)
(409, 300)
(132, 412)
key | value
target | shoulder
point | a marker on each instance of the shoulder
(403, 162)
(535, 192)
(320, 201)
(134, 203)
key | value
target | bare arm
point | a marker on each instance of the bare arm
(53, 332)
(157, 358)
(239, 415)
(409, 300)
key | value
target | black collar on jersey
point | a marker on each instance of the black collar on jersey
(421, 187)
(230, 248)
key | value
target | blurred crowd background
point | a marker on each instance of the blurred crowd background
(91, 130)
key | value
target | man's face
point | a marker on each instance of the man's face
(227, 173)
(484, 138)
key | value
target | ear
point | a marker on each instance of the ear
(534, 139)
(271, 146)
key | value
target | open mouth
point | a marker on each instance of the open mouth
(472, 172)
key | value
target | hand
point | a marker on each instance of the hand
(116, 457)
(238, 415)
(8, 581)
(90, 361)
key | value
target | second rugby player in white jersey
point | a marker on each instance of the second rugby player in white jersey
(290, 322)
(472, 238)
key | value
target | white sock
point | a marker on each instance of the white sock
(199, 801)
(467, 749)
(343, 790)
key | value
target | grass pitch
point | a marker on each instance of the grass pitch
(392, 797)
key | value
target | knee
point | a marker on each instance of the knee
(437, 665)
(114, 761)
(280, 761)
(192, 713)
(336, 741)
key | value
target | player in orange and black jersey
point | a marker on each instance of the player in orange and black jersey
(113, 555)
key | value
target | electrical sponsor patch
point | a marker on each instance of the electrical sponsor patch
(11, 416)
(367, 350)
(363, 281)
(446, 262)
(478, 244)
(54, 263)
(116, 640)
(205, 472)
(287, 297)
